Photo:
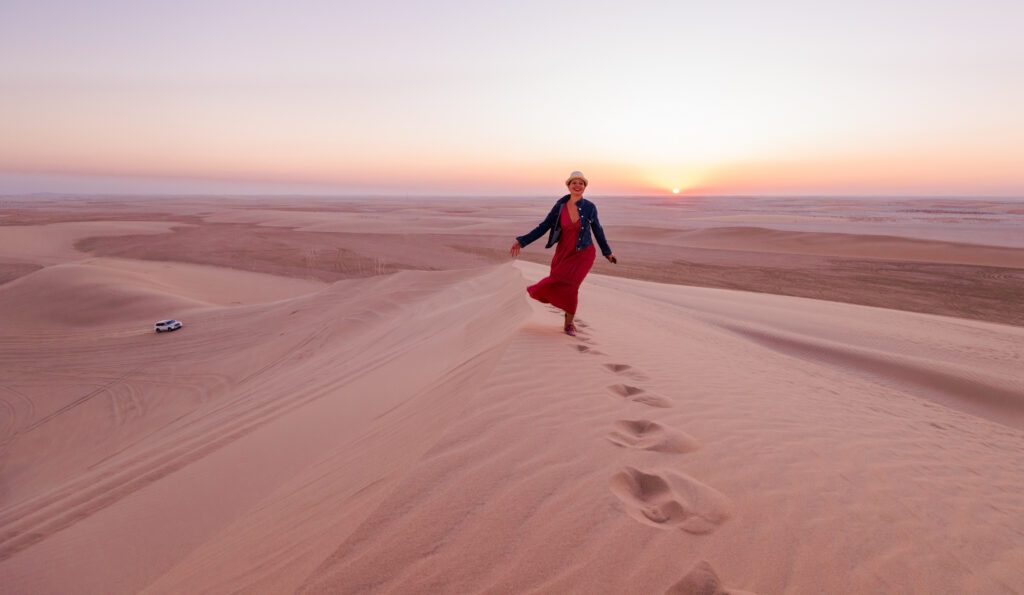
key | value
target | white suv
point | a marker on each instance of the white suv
(167, 325)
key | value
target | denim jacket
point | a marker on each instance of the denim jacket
(553, 222)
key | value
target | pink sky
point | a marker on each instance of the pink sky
(458, 97)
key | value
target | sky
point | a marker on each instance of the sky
(504, 98)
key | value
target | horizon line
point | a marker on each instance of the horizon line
(481, 195)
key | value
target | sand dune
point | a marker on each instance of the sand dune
(880, 247)
(73, 296)
(54, 243)
(112, 292)
(87, 460)
(436, 432)
(966, 365)
(930, 256)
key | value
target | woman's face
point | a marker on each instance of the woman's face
(576, 186)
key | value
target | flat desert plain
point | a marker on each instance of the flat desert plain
(766, 396)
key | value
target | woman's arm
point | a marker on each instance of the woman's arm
(525, 240)
(601, 241)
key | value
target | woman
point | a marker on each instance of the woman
(570, 222)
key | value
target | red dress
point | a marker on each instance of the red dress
(569, 267)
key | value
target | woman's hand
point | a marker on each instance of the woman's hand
(515, 249)
(611, 258)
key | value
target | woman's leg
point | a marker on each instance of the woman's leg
(569, 318)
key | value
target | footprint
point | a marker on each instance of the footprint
(625, 390)
(702, 580)
(639, 395)
(626, 370)
(643, 434)
(585, 349)
(670, 501)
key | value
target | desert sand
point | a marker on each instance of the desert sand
(764, 398)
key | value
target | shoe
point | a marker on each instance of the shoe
(570, 329)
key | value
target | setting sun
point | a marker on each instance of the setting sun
(675, 191)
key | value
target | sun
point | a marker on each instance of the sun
(675, 191)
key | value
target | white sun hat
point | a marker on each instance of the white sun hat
(577, 175)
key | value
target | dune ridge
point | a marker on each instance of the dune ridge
(951, 384)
